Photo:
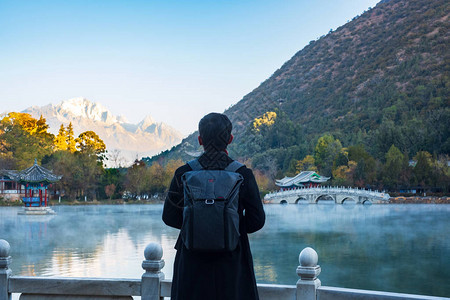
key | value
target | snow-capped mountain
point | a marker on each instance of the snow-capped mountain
(124, 141)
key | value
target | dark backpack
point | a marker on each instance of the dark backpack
(211, 202)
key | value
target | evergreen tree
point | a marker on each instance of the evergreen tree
(61, 139)
(325, 152)
(423, 169)
(71, 143)
(395, 163)
(366, 171)
(113, 178)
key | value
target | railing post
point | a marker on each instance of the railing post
(5, 271)
(151, 279)
(308, 270)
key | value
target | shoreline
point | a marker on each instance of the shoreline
(81, 203)
(419, 200)
(392, 200)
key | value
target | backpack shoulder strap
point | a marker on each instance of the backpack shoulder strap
(234, 166)
(195, 165)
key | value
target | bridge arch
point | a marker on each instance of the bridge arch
(301, 200)
(283, 202)
(324, 197)
(367, 202)
(349, 200)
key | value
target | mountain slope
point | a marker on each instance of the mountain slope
(381, 79)
(131, 140)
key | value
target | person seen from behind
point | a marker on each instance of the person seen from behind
(219, 266)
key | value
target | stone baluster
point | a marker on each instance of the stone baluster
(308, 270)
(5, 271)
(151, 279)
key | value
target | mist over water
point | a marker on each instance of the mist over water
(398, 248)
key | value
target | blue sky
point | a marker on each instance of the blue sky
(173, 60)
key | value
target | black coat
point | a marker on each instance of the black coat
(211, 276)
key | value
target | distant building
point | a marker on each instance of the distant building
(10, 190)
(29, 185)
(306, 179)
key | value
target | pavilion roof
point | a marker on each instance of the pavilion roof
(9, 173)
(36, 173)
(299, 179)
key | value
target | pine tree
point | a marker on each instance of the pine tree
(70, 140)
(395, 163)
(61, 139)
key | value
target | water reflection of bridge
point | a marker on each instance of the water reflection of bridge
(339, 195)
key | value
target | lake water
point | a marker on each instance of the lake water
(398, 248)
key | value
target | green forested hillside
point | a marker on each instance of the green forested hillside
(379, 81)
(382, 78)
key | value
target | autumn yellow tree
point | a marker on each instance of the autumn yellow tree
(24, 139)
(61, 139)
(343, 175)
(26, 122)
(267, 119)
(137, 179)
(70, 139)
(6, 158)
(265, 184)
(306, 164)
(170, 168)
(89, 142)
(157, 178)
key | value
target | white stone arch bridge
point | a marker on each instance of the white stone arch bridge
(340, 195)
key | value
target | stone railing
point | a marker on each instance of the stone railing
(153, 286)
(9, 192)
